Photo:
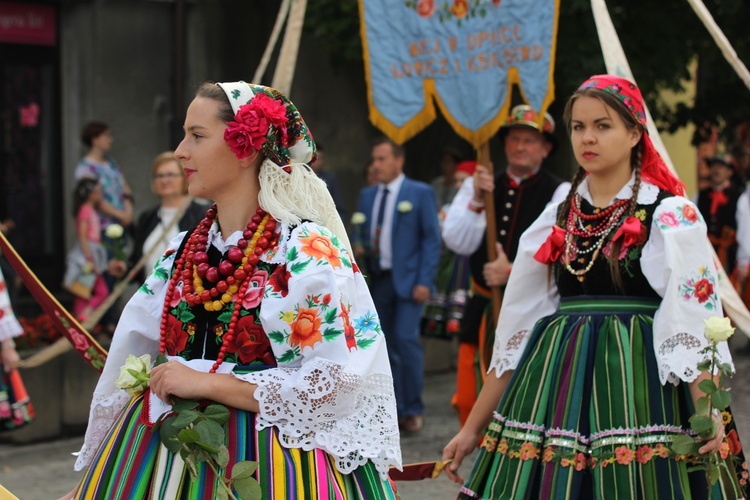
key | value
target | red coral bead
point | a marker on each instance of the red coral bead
(202, 269)
(242, 243)
(226, 267)
(248, 233)
(230, 280)
(212, 274)
(200, 257)
(222, 286)
(239, 275)
(205, 295)
(257, 218)
(253, 260)
(235, 255)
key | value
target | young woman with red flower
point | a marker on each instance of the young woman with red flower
(601, 329)
(254, 309)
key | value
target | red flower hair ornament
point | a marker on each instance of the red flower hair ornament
(551, 249)
(250, 127)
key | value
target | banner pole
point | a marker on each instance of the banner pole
(483, 158)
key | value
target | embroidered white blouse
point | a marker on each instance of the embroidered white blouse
(332, 388)
(675, 257)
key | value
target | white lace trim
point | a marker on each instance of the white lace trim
(321, 406)
(678, 358)
(505, 356)
(647, 194)
(105, 409)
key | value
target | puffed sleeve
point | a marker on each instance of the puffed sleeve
(9, 325)
(679, 265)
(530, 295)
(332, 388)
(463, 228)
(137, 333)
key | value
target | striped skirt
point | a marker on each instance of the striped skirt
(585, 416)
(131, 463)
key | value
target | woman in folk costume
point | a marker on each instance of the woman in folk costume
(586, 401)
(289, 341)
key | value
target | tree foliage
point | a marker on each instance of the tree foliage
(660, 39)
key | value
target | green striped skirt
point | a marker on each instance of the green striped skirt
(585, 415)
(131, 463)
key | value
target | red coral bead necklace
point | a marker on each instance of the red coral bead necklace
(231, 276)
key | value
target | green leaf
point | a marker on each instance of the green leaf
(192, 468)
(184, 404)
(701, 424)
(221, 493)
(707, 386)
(684, 445)
(331, 333)
(298, 267)
(243, 470)
(704, 366)
(292, 254)
(713, 475)
(217, 413)
(168, 435)
(365, 343)
(188, 436)
(222, 457)
(721, 399)
(701, 406)
(185, 418)
(247, 489)
(211, 434)
(160, 359)
(331, 315)
(226, 316)
(145, 289)
(288, 356)
(161, 273)
(276, 336)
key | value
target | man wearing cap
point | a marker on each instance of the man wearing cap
(718, 206)
(520, 194)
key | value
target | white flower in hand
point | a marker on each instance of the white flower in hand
(358, 218)
(718, 329)
(134, 374)
(404, 206)
(114, 231)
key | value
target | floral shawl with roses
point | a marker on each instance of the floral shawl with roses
(676, 260)
(308, 314)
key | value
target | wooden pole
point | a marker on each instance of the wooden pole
(483, 158)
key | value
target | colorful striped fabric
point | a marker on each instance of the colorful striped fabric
(585, 415)
(131, 463)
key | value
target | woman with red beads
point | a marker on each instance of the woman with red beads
(262, 309)
(594, 370)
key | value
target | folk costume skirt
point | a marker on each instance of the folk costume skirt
(132, 463)
(585, 416)
(16, 409)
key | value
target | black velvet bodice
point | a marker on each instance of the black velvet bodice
(598, 280)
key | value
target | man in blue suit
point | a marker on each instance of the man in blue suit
(400, 241)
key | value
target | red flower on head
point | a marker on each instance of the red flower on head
(704, 289)
(247, 132)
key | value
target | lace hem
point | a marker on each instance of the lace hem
(678, 358)
(505, 355)
(322, 406)
(104, 410)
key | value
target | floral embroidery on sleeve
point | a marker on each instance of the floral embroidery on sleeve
(310, 323)
(323, 246)
(700, 286)
(684, 215)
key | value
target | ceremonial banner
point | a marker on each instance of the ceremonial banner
(463, 54)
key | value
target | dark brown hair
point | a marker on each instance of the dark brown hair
(398, 151)
(91, 131)
(210, 90)
(614, 103)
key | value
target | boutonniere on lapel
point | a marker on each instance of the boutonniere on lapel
(358, 218)
(404, 206)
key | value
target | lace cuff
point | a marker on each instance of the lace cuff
(679, 355)
(320, 405)
(505, 355)
(104, 411)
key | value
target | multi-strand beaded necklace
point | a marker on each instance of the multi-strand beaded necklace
(583, 227)
(230, 277)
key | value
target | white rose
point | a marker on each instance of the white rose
(404, 206)
(134, 374)
(114, 231)
(717, 329)
(358, 218)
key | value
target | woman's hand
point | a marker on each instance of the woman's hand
(9, 357)
(459, 447)
(69, 496)
(173, 379)
(714, 443)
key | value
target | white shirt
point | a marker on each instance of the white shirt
(676, 252)
(159, 238)
(386, 231)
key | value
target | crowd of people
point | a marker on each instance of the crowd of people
(310, 335)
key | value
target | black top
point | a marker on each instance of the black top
(598, 280)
